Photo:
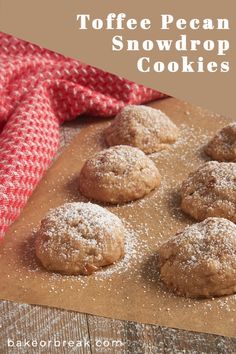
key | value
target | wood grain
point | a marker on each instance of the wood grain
(27, 322)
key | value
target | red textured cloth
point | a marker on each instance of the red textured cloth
(39, 90)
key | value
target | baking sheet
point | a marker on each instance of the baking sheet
(129, 290)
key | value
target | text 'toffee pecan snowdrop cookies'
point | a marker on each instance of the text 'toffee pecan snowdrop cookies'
(143, 127)
(223, 145)
(79, 238)
(117, 175)
(210, 191)
(200, 261)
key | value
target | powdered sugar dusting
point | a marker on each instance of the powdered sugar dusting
(214, 239)
(133, 282)
(211, 191)
(222, 146)
(142, 126)
(80, 220)
(119, 160)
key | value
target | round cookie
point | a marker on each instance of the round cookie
(79, 238)
(200, 261)
(210, 191)
(143, 127)
(117, 175)
(223, 145)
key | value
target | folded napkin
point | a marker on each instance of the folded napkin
(39, 90)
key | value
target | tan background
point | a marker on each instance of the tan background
(52, 24)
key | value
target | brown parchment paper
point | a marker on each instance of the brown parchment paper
(129, 290)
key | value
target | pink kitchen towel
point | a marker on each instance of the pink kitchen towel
(39, 90)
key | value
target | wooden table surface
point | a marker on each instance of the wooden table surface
(92, 334)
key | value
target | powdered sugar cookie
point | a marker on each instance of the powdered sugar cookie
(223, 146)
(200, 261)
(79, 238)
(143, 127)
(210, 191)
(117, 175)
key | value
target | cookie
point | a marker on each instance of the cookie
(143, 127)
(210, 191)
(223, 145)
(79, 238)
(117, 175)
(200, 261)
